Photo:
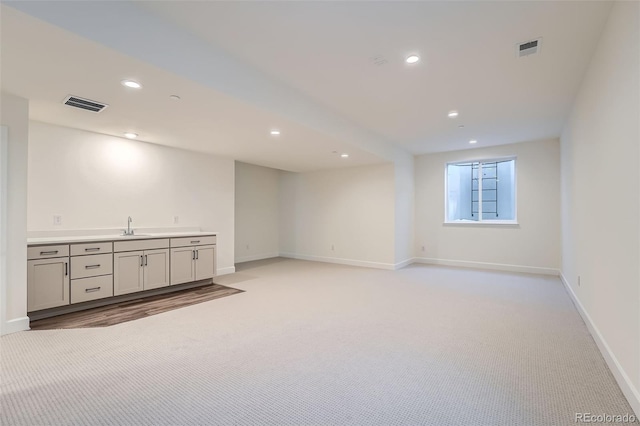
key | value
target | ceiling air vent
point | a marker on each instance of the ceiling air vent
(529, 47)
(85, 104)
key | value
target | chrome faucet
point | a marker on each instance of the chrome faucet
(128, 231)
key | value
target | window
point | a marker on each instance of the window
(481, 191)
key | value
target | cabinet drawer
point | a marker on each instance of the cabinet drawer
(46, 252)
(135, 245)
(193, 241)
(93, 288)
(91, 248)
(91, 266)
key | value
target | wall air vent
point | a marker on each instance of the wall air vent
(529, 48)
(85, 104)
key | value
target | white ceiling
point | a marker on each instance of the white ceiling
(307, 68)
(45, 64)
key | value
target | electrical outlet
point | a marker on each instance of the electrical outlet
(247, 246)
(578, 280)
(332, 248)
(422, 248)
(176, 219)
(57, 220)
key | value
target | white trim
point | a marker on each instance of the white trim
(483, 223)
(340, 261)
(256, 257)
(15, 325)
(404, 263)
(630, 392)
(491, 266)
(225, 271)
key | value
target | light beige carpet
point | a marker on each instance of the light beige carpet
(313, 343)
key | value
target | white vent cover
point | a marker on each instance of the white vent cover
(86, 104)
(528, 48)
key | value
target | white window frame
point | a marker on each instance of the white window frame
(481, 221)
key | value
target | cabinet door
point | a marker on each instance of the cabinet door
(47, 283)
(127, 272)
(205, 262)
(156, 268)
(182, 268)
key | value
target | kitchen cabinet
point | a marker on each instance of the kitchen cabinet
(69, 271)
(47, 277)
(91, 271)
(192, 259)
(156, 269)
(140, 270)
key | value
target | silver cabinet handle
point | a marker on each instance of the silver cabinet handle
(92, 266)
(193, 254)
(46, 253)
(146, 260)
(141, 260)
(197, 255)
(92, 249)
(195, 242)
(66, 269)
(90, 290)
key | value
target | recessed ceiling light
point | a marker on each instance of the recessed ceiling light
(174, 97)
(453, 114)
(132, 84)
(412, 59)
(130, 135)
(460, 126)
(275, 132)
(345, 155)
(473, 141)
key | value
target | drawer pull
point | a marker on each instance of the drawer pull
(92, 266)
(92, 249)
(46, 253)
(66, 269)
(91, 290)
(195, 242)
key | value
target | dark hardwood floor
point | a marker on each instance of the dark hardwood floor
(117, 313)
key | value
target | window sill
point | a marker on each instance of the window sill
(500, 223)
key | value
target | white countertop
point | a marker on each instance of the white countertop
(114, 237)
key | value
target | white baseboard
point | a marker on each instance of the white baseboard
(486, 265)
(630, 392)
(256, 257)
(404, 263)
(15, 325)
(227, 270)
(351, 262)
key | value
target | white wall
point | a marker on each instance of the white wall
(96, 181)
(531, 246)
(601, 197)
(256, 212)
(404, 210)
(14, 114)
(351, 209)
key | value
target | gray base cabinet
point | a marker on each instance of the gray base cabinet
(192, 259)
(47, 283)
(140, 265)
(63, 274)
